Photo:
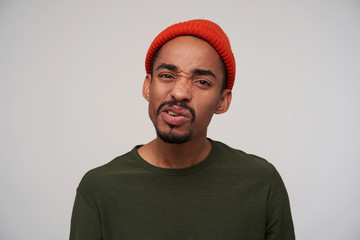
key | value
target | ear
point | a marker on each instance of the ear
(146, 87)
(224, 102)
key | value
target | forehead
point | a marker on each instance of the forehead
(189, 52)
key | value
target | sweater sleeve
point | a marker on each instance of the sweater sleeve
(85, 220)
(279, 224)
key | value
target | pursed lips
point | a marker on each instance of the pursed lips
(176, 111)
(175, 115)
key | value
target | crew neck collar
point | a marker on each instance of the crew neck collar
(176, 171)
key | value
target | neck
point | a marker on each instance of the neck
(166, 155)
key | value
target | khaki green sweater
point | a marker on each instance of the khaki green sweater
(229, 195)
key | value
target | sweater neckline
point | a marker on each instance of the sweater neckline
(176, 171)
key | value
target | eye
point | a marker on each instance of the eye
(203, 83)
(165, 75)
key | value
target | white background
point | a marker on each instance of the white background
(71, 74)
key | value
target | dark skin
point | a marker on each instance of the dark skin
(187, 70)
(222, 66)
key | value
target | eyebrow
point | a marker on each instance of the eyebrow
(196, 71)
(203, 72)
(170, 67)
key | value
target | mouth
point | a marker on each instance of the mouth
(171, 113)
(176, 111)
(176, 115)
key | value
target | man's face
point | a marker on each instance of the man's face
(185, 89)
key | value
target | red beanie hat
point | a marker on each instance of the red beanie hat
(204, 29)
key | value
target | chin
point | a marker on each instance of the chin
(173, 138)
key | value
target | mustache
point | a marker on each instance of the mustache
(176, 103)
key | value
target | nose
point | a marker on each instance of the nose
(181, 90)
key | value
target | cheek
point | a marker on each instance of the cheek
(152, 111)
(208, 104)
(205, 112)
(157, 94)
(155, 99)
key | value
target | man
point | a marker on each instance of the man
(183, 185)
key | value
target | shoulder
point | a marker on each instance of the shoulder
(105, 174)
(236, 159)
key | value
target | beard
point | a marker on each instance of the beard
(170, 136)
